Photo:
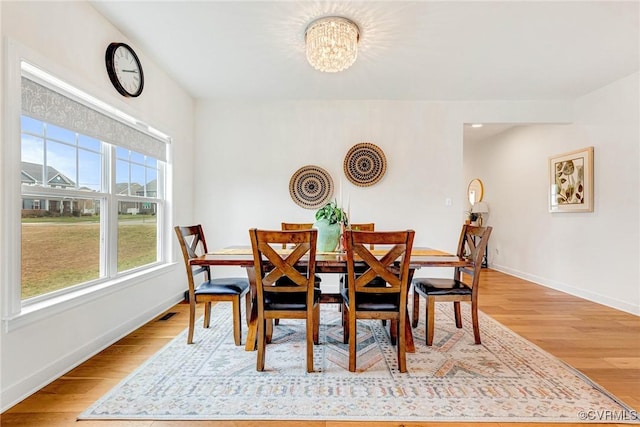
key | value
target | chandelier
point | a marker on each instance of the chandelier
(332, 43)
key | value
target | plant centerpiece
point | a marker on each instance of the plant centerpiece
(329, 222)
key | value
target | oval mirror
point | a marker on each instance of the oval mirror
(475, 191)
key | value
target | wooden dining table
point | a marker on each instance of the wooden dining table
(326, 262)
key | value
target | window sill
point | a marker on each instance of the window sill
(45, 309)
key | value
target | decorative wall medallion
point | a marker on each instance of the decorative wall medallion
(365, 164)
(311, 187)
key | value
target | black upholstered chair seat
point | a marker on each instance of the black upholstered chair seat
(224, 286)
(433, 286)
(372, 302)
(294, 301)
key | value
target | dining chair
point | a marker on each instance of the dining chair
(295, 298)
(361, 300)
(368, 226)
(290, 226)
(208, 290)
(472, 245)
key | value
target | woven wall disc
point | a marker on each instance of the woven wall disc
(365, 164)
(311, 187)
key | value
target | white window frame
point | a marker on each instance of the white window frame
(15, 313)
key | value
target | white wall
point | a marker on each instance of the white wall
(248, 151)
(73, 37)
(592, 255)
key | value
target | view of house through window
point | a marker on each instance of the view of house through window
(68, 196)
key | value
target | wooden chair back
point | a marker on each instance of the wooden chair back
(271, 265)
(472, 245)
(290, 226)
(192, 244)
(393, 267)
(368, 226)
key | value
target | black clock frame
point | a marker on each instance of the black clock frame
(111, 49)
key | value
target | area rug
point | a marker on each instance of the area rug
(506, 378)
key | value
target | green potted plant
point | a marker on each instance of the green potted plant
(329, 221)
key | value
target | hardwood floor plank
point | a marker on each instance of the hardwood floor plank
(599, 341)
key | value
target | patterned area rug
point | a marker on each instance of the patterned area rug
(505, 379)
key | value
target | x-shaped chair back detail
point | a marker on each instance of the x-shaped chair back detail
(472, 246)
(382, 268)
(393, 267)
(192, 244)
(283, 264)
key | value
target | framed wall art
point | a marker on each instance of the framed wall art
(571, 181)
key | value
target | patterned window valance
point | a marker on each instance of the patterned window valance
(48, 105)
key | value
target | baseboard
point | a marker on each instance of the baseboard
(14, 394)
(563, 287)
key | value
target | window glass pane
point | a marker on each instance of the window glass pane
(31, 125)
(152, 162)
(61, 165)
(32, 159)
(68, 232)
(122, 153)
(137, 231)
(89, 170)
(152, 183)
(137, 180)
(61, 134)
(89, 143)
(122, 177)
(137, 157)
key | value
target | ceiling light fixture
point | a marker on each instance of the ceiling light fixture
(332, 43)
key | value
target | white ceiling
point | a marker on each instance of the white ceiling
(415, 50)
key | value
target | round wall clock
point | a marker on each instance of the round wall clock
(124, 69)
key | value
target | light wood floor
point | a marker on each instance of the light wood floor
(601, 342)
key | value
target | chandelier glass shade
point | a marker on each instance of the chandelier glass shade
(332, 43)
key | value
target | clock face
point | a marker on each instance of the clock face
(124, 69)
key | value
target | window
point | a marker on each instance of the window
(137, 189)
(92, 187)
